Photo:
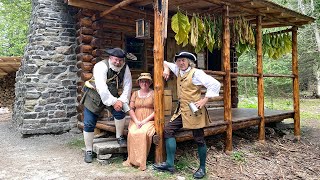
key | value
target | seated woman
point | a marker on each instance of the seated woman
(141, 127)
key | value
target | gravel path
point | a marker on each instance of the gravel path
(48, 157)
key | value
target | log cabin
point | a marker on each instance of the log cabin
(105, 24)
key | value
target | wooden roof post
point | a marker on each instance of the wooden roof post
(227, 78)
(296, 103)
(260, 80)
(158, 52)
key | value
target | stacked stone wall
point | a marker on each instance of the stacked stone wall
(45, 86)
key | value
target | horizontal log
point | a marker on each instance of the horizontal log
(85, 22)
(79, 108)
(80, 117)
(120, 21)
(243, 75)
(85, 31)
(107, 34)
(97, 59)
(219, 73)
(87, 12)
(79, 98)
(79, 89)
(80, 83)
(85, 76)
(98, 43)
(278, 75)
(111, 26)
(83, 48)
(209, 131)
(101, 43)
(98, 53)
(86, 66)
(280, 32)
(86, 39)
(84, 57)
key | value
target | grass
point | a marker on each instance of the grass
(309, 108)
(238, 156)
(77, 143)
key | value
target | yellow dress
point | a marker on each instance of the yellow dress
(139, 140)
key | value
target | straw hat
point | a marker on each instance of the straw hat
(145, 76)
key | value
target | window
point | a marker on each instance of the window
(136, 47)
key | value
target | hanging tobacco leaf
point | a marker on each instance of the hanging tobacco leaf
(194, 31)
(181, 26)
(201, 35)
(208, 34)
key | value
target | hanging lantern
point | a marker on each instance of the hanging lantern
(142, 29)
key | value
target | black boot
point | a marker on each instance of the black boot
(88, 157)
(122, 141)
(164, 167)
(199, 174)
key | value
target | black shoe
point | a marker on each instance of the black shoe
(122, 141)
(164, 167)
(88, 157)
(199, 174)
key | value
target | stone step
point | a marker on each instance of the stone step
(104, 146)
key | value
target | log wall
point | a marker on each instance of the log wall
(95, 35)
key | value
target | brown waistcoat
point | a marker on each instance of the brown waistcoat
(188, 92)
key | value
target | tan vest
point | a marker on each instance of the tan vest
(188, 92)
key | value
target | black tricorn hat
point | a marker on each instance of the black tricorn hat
(185, 54)
(117, 52)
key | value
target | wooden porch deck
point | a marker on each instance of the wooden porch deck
(241, 118)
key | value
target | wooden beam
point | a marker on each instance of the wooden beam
(278, 75)
(249, 10)
(280, 32)
(295, 73)
(260, 80)
(143, 3)
(227, 78)
(4, 70)
(287, 11)
(158, 51)
(117, 6)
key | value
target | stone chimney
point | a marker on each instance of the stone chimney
(45, 86)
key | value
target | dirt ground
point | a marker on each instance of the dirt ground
(52, 157)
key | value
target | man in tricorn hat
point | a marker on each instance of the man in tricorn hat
(189, 83)
(111, 87)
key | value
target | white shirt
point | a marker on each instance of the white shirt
(100, 72)
(199, 78)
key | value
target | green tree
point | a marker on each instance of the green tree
(308, 44)
(14, 21)
(308, 52)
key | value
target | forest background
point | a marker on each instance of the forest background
(15, 18)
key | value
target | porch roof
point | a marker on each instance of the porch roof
(273, 14)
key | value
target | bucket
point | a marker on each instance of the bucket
(167, 102)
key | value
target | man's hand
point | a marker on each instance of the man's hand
(202, 102)
(166, 73)
(118, 105)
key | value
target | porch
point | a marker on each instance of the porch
(241, 118)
